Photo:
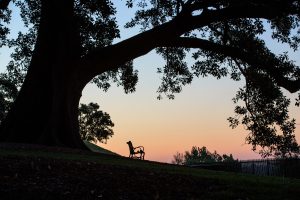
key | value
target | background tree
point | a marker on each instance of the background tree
(178, 159)
(70, 42)
(95, 125)
(8, 93)
(201, 155)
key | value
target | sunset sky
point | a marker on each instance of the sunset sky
(197, 116)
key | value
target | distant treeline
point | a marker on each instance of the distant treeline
(199, 155)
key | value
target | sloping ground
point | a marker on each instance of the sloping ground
(98, 149)
(54, 173)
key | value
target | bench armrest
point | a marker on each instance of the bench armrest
(139, 147)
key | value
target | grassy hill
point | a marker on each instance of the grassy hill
(28, 172)
(98, 149)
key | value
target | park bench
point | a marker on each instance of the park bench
(136, 152)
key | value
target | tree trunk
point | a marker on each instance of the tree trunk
(45, 113)
(46, 109)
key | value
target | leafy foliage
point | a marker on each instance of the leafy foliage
(227, 40)
(95, 125)
(263, 114)
(175, 73)
(8, 93)
(91, 16)
(200, 155)
(238, 51)
(124, 76)
(5, 16)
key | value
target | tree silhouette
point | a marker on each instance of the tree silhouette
(178, 159)
(199, 155)
(94, 125)
(70, 42)
(8, 93)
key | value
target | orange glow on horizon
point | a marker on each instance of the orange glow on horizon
(197, 117)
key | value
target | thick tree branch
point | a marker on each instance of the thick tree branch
(4, 4)
(111, 57)
(262, 62)
(104, 59)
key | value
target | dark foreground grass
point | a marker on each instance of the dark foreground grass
(98, 149)
(55, 173)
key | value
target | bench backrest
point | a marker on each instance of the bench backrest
(131, 149)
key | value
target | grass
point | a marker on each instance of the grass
(234, 185)
(98, 149)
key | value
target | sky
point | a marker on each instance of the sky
(197, 116)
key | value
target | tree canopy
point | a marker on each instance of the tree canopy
(222, 36)
(94, 124)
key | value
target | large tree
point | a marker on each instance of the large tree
(70, 42)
